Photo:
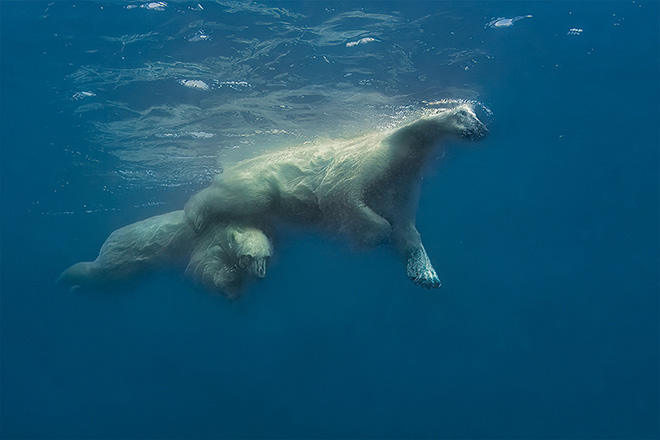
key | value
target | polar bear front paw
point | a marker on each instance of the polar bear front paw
(427, 279)
(421, 272)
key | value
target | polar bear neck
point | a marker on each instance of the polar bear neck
(411, 146)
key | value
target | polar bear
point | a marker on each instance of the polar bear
(222, 258)
(228, 255)
(366, 187)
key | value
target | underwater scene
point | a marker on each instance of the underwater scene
(339, 219)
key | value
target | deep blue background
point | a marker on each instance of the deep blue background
(545, 236)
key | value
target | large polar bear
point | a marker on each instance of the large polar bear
(366, 187)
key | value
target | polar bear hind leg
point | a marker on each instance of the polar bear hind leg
(134, 249)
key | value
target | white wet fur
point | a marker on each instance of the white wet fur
(364, 187)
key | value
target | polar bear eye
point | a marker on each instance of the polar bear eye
(244, 261)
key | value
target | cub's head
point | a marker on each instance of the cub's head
(462, 121)
(253, 250)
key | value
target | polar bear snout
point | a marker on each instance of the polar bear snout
(474, 132)
(259, 267)
(255, 266)
(468, 124)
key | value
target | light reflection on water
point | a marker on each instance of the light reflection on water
(175, 102)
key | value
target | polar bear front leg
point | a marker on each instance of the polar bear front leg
(365, 225)
(418, 265)
(420, 270)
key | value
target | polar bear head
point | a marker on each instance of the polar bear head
(462, 121)
(252, 250)
(227, 255)
(414, 141)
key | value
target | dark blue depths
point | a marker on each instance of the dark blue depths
(545, 236)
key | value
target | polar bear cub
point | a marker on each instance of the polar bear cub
(221, 259)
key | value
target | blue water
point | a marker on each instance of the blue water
(545, 234)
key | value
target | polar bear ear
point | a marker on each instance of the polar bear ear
(235, 236)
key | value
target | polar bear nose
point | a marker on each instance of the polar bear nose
(480, 131)
(475, 130)
(253, 265)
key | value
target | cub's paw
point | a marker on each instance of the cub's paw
(197, 216)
